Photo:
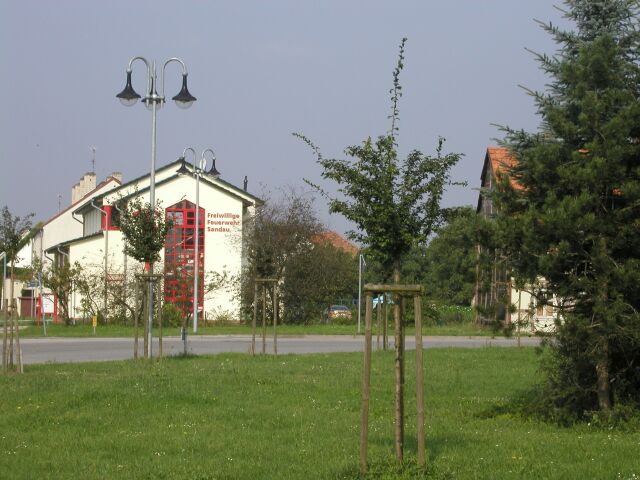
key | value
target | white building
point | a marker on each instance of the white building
(87, 233)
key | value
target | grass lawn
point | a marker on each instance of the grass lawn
(59, 330)
(234, 416)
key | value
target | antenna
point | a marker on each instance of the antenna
(59, 202)
(93, 159)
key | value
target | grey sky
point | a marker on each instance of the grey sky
(260, 70)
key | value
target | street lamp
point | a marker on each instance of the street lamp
(153, 101)
(198, 170)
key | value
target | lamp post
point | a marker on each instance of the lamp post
(197, 173)
(153, 101)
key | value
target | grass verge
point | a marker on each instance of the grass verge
(294, 416)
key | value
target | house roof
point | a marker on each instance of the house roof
(501, 161)
(336, 240)
(216, 183)
(66, 243)
(82, 200)
(498, 161)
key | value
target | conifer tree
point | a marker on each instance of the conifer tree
(572, 219)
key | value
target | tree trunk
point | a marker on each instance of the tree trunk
(399, 368)
(603, 382)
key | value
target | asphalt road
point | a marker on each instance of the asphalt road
(62, 350)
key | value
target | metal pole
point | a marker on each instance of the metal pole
(196, 260)
(152, 200)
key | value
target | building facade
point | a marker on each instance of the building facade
(88, 234)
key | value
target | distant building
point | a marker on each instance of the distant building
(87, 232)
(495, 297)
(337, 241)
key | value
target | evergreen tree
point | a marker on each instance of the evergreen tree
(573, 216)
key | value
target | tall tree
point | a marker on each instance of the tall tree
(394, 203)
(449, 261)
(281, 244)
(573, 215)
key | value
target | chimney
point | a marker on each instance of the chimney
(117, 176)
(84, 186)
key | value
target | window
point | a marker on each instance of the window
(179, 256)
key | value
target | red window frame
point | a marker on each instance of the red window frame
(179, 254)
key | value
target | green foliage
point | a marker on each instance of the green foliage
(394, 203)
(12, 233)
(172, 315)
(60, 280)
(283, 242)
(144, 229)
(450, 259)
(574, 219)
(309, 287)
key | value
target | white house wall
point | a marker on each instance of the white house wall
(64, 226)
(222, 239)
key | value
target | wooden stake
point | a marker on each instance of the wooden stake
(18, 349)
(366, 380)
(385, 327)
(378, 314)
(145, 316)
(417, 311)
(135, 335)
(11, 333)
(399, 371)
(264, 319)
(255, 314)
(275, 319)
(159, 297)
(5, 353)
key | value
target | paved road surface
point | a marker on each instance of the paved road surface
(60, 350)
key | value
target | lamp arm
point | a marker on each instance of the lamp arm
(195, 155)
(203, 162)
(164, 67)
(146, 62)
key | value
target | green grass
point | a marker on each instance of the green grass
(234, 416)
(60, 330)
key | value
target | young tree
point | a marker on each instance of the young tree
(15, 233)
(144, 228)
(573, 216)
(395, 204)
(60, 279)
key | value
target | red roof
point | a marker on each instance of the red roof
(336, 240)
(502, 161)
